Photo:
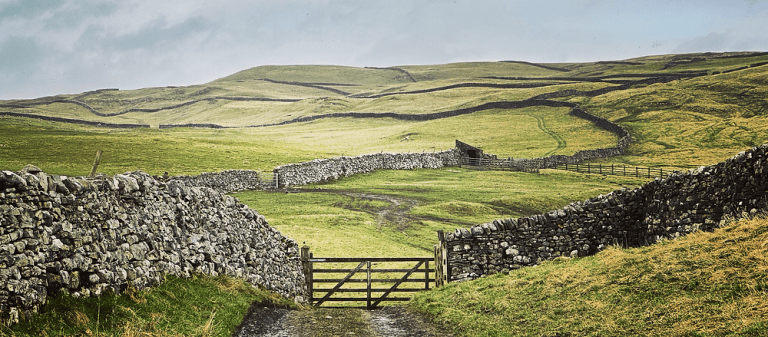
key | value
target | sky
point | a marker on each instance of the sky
(50, 47)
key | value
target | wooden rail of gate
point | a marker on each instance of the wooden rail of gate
(365, 267)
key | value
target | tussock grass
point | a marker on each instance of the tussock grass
(705, 284)
(693, 122)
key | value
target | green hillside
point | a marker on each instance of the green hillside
(705, 284)
(683, 111)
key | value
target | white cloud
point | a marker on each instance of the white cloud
(70, 46)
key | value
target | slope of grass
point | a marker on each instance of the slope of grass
(693, 122)
(200, 306)
(705, 284)
(683, 123)
(447, 198)
(70, 149)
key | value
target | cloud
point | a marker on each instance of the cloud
(69, 46)
(710, 42)
(744, 32)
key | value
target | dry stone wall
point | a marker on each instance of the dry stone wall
(75, 121)
(664, 208)
(320, 170)
(87, 236)
(226, 181)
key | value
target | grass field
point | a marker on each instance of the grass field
(683, 124)
(200, 306)
(70, 149)
(706, 284)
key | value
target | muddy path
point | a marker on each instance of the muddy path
(397, 214)
(390, 321)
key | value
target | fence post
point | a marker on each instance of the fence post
(96, 163)
(601, 168)
(589, 169)
(369, 286)
(661, 173)
(306, 265)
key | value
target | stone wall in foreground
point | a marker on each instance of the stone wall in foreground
(320, 170)
(664, 208)
(87, 236)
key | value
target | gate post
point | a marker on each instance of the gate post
(442, 272)
(368, 306)
(306, 266)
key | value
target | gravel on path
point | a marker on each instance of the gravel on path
(389, 321)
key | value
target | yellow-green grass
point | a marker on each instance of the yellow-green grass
(200, 306)
(372, 81)
(693, 122)
(318, 74)
(657, 63)
(447, 199)
(705, 284)
(711, 119)
(335, 225)
(246, 113)
(475, 69)
(68, 149)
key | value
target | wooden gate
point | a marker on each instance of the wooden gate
(362, 274)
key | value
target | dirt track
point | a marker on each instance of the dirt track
(393, 321)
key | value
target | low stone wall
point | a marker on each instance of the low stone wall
(74, 121)
(86, 236)
(664, 208)
(320, 170)
(226, 181)
(193, 125)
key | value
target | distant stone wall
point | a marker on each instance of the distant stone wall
(226, 181)
(86, 236)
(193, 125)
(664, 208)
(74, 121)
(320, 170)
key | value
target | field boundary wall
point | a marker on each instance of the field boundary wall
(322, 170)
(86, 236)
(680, 204)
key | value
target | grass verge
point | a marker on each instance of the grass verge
(705, 284)
(199, 306)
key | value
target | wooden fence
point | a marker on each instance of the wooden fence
(368, 275)
(489, 164)
(606, 169)
(616, 170)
